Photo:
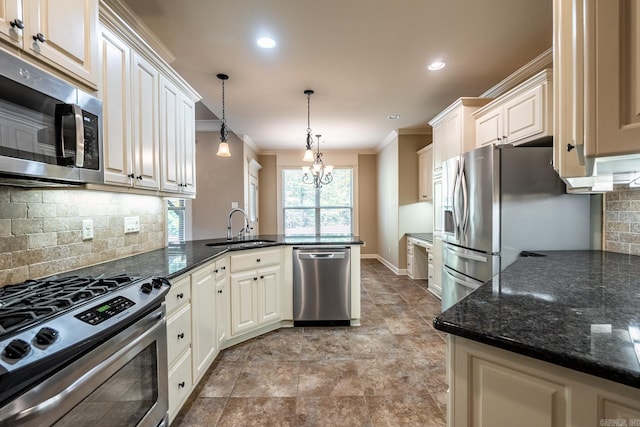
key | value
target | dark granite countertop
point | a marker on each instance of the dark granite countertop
(176, 260)
(422, 236)
(577, 309)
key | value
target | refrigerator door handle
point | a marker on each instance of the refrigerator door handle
(461, 280)
(466, 255)
(455, 204)
(465, 203)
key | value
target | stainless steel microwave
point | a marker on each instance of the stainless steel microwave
(50, 131)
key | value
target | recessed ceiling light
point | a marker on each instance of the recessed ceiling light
(266, 42)
(393, 116)
(437, 65)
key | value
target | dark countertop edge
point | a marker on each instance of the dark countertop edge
(573, 362)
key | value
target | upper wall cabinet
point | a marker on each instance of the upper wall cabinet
(61, 33)
(454, 130)
(425, 173)
(596, 82)
(523, 114)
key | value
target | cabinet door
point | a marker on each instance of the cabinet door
(452, 141)
(115, 92)
(169, 135)
(438, 226)
(615, 48)
(70, 30)
(244, 301)
(489, 128)
(203, 301)
(188, 146)
(222, 312)
(435, 285)
(9, 11)
(438, 141)
(146, 139)
(425, 173)
(268, 295)
(523, 116)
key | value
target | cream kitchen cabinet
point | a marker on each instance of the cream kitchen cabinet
(178, 307)
(454, 130)
(129, 91)
(493, 387)
(425, 173)
(203, 319)
(597, 104)
(523, 114)
(255, 282)
(417, 258)
(223, 303)
(177, 135)
(61, 33)
(435, 267)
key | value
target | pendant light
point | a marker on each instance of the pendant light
(223, 147)
(308, 152)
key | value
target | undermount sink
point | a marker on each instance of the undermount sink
(234, 244)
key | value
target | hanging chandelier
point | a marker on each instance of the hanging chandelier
(223, 147)
(318, 173)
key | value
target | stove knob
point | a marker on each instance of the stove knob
(46, 336)
(146, 288)
(16, 349)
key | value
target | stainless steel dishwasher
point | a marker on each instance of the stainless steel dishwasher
(321, 286)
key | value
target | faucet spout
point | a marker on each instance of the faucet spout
(229, 223)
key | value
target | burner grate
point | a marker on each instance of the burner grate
(29, 302)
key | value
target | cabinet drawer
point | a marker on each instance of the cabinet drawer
(179, 383)
(179, 294)
(409, 250)
(254, 259)
(220, 269)
(178, 332)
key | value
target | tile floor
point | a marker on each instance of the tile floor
(388, 372)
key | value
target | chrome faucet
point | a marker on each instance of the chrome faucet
(243, 230)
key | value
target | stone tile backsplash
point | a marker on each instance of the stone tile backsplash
(622, 221)
(41, 229)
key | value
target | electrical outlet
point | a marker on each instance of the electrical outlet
(87, 229)
(131, 224)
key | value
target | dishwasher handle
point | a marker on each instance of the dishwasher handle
(321, 255)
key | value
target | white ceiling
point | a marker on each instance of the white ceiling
(365, 60)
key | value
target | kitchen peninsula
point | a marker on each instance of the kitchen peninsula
(223, 293)
(554, 339)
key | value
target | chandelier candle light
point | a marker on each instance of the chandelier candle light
(223, 147)
(318, 173)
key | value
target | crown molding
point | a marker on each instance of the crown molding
(530, 69)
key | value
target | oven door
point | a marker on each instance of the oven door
(121, 382)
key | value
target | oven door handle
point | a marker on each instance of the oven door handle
(61, 392)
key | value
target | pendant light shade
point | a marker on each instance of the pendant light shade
(223, 147)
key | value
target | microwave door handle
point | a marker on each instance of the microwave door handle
(79, 132)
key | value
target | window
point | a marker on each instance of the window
(175, 221)
(326, 211)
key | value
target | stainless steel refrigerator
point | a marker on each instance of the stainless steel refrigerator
(497, 202)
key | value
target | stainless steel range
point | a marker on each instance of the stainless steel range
(83, 351)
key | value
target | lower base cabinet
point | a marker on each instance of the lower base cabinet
(490, 387)
(180, 384)
(203, 320)
(254, 298)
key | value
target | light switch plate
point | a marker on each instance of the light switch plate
(131, 224)
(87, 229)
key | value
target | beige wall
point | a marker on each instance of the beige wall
(268, 194)
(387, 166)
(368, 202)
(219, 181)
(622, 221)
(40, 230)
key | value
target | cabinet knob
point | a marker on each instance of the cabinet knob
(258, 260)
(17, 23)
(40, 38)
(262, 277)
(131, 176)
(570, 147)
(139, 177)
(215, 271)
(181, 335)
(180, 295)
(219, 291)
(181, 385)
(499, 139)
(255, 278)
(224, 267)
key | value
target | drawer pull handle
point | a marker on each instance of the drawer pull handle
(180, 295)
(181, 335)
(181, 385)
